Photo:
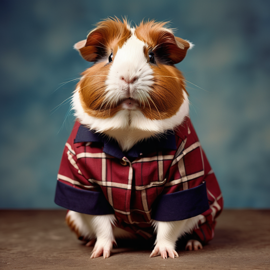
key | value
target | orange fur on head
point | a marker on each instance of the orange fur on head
(162, 42)
(106, 38)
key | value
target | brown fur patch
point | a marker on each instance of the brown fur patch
(149, 32)
(167, 95)
(106, 38)
(92, 92)
(167, 48)
(73, 227)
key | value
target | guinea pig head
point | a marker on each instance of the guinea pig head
(133, 83)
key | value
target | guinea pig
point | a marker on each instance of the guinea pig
(133, 165)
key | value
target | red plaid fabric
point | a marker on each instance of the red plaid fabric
(132, 186)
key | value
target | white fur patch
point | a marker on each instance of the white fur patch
(80, 222)
(93, 226)
(191, 45)
(169, 232)
(129, 127)
(130, 64)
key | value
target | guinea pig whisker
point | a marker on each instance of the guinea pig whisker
(149, 105)
(103, 102)
(110, 109)
(90, 85)
(141, 99)
(144, 103)
(189, 87)
(155, 106)
(110, 99)
(109, 103)
(62, 103)
(64, 83)
(195, 85)
(65, 119)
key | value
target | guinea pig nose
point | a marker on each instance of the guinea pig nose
(128, 81)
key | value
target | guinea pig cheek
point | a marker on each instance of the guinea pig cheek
(92, 92)
(167, 93)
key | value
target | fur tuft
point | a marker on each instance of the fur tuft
(169, 232)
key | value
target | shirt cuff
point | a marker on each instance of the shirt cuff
(182, 204)
(82, 201)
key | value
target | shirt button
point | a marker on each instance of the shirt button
(123, 162)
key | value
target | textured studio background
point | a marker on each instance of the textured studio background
(230, 109)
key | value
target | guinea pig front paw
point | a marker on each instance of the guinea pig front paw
(193, 245)
(102, 247)
(164, 249)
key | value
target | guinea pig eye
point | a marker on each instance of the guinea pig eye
(151, 58)
(110, 57)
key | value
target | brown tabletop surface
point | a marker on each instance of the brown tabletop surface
(39, 239)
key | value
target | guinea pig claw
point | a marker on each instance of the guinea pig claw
(193, 245)
(102, 248)
(164, 253)
(98, 253)
(154, 253)
(106, 254)
(172, 254)
(95, 253)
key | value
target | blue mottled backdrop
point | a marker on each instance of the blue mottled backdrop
(227, 76)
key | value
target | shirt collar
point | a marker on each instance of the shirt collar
(111, 147)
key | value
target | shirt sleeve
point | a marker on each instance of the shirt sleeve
(191, 189)
(205, 229)
(73, 190)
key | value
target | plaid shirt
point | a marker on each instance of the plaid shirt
(164, 179)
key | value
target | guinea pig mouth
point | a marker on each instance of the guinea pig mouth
(129, 103)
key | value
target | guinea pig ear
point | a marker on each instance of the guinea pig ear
(179, 51)
(79, 45)
(169, 48)
(93, 48)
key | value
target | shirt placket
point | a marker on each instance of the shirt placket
(125, 161)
